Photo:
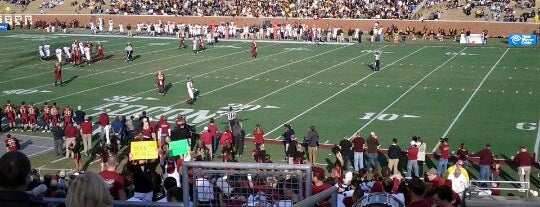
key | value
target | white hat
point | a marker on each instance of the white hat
(413, 142)
(205, 128)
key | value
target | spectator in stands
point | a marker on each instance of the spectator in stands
(463, 154)
(421, 156)
(412, 160)
(523, 161)
(313, 143)
(443, 196)
(206, 138)
(417, 189)
(205, 191)
(394, 151)
(345, 147)
(174, 195)
(459, 182)
(434, 178)
(319, 185)
(337, 169)
(88, 190)
(14, 178)
(113, 180)
(373, 151)
(458, 165)
(486, 157)
(142, 179)
(444, 152)
(358, 148)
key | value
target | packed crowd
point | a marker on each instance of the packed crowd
(158, 180)
(351, 9)
(504, 10)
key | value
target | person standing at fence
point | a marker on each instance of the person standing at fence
(103, 122)
(238, 135)
(444, 153)
(213, 129)
(258, 134)
(346, 151)
(58, 135)
(288, 136)
(523, 160)
(412, 160)
(393, 156)
(14, 179)
(70, 132)
(486, 157)
(113, 180)
(313, 143)
(373, 152)
(421, 157)
(86, 134)
(358, 148)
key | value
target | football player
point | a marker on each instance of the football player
(67, 112)
(32, 117)
(181, 42)
(200, 44)
(45, 116)
(99, 49)
(195, 46)
(41, 52)
(12, 144)
(67, 54)
(54, 114)
(88, 54)
(57, 74)
(129, 52)
(9, 110)
(160, 83)
(23, 115)
(253, 49)
(58, 52)
(47, 49)
(190, 90)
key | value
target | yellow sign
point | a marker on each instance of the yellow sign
(142, 150)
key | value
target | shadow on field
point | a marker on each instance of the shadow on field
(26, 144)
(70, 79)
(371, 67)
(136, 57)
(108, 57)
(166, 89)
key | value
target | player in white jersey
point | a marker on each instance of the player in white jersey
(195, 51)
(209, 38)
(46, 48)
(58, 52)
(377, 64)
(190, 90)
(81, 47)
(121, 28)
(110, 26)
(41, 53)
(67, 53)
(87, 54)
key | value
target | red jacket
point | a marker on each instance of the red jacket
(523, 159)
(226, 135)
(86, 127)
(206, 137)
(103, 119)
(70, 131)
(412, 153)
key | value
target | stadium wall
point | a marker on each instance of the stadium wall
(494, 28)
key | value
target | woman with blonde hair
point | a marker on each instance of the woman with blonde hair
(88, 190)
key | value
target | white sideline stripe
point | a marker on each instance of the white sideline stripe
(341, 91)
(104, 71)
(294, 83)
(220, 69)
(472, 95)
(275, 68)
(36, 74)
(40, 152)
(23, 135)
(53, 55)
(136, 77)
(406, 92)
(57, 160)
(29, 46)
(537, 142)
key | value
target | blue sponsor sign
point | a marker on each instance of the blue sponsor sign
(518, 39)
(4, 26)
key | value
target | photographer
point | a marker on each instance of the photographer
(444, 152)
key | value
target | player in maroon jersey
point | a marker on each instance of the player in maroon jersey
(99, 49)
(9, 110)
(45, 116)
(160, 83)
(200, 44)
(32, 117)
(54, 114)
(181, 42)
(67, 112)
(12, 143)
(253, 49)
(23, 115)
(57, 74)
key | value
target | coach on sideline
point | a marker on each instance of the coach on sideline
(14, 178)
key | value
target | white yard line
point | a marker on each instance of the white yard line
(40, 152)
(296, 82)
(472, 95)
(341, 91)
(140, 76)
(406, 92)
(270, 70)
(58, 160)
(213, 71)
(537, 142)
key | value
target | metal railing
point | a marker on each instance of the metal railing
(474, 187)
(310, 201)
(60, 201)
(244, 183)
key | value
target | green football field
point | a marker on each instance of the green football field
(468, 93)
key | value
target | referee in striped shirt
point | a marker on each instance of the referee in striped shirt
(231, 116)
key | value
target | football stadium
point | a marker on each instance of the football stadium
(269, 103)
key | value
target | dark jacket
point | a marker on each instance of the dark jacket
(393, 152)
(19, 199)
(57, 132)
